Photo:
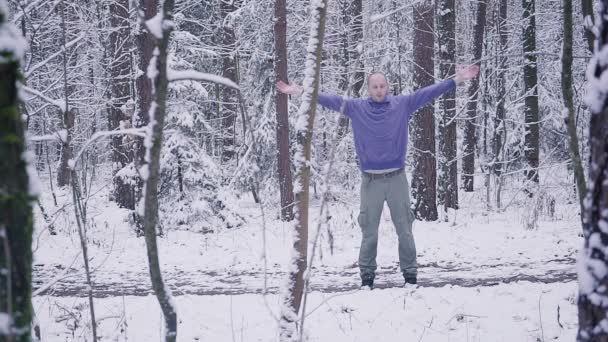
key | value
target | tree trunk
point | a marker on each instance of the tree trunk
(295, 289)
(448, 180)
(229, 71)
(352, 36)
(531, 114)
(120, 85)
(120, 72)
(16, 198)
(587, 6)
(283, 155)
(159, 95)
(424, 176)
(496, 165)
(569, 104)
(69, 114)
(593, 263)
(470, 135)
(145, 46)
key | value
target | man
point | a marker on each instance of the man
(380, 129)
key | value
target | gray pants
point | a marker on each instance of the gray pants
(394, 190)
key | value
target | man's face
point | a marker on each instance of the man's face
(377, 87)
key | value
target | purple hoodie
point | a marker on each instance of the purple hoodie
(380, 128)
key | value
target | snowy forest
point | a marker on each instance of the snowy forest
(171, 170)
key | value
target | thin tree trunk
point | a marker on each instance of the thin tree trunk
(16, 198)
(283, 155)
(157, 120)
(531, 111)
(293, 297)
(593, 263)
(424, 176)
(446, 27)
(69, 113)
(569, 104)
(470, 134)
(499, 127)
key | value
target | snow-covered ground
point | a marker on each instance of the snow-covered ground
(483, 276)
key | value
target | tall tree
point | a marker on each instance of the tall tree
(448, 180)
(120, 93)
(229, 105)
(424, 176)
(16, 197)
(352, 36)
(145, 46)
(593, 263)
(531, 112)
(158, 75)
(587, 6)
(567, 96)
(498, 142)
(470, 134)
(67, 13)
(283, 155)
(307, 111)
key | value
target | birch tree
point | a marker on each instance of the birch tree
(306, 118)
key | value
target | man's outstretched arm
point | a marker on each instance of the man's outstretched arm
(421, 97)
(331, 102)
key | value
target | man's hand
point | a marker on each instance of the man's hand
(465, 74)
(289, 89)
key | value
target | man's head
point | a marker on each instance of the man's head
(377, 86)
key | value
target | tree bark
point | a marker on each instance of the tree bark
(352, 36)
(159, 94)
(567, 96)
(229, 71)
(424, 176)
(69, 114)
(587, 6)
(145, 46)
(283, 155)
(593, 263)
(531, 113)
(496, 165)
(120, 85)
(470, 134)
(308, 107)
(16, 198)
(448, 180)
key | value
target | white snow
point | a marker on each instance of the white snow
(479, 246)
(155, 25)
(180, 75)
(5, 323)
(11, 39)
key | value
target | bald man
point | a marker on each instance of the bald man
(380, 129)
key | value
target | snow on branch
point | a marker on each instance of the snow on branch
(44, 62)
(140, 132)
(183, 75)
(58, 103)
(377, 17)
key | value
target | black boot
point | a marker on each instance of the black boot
(410, 278)
(367, 280)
